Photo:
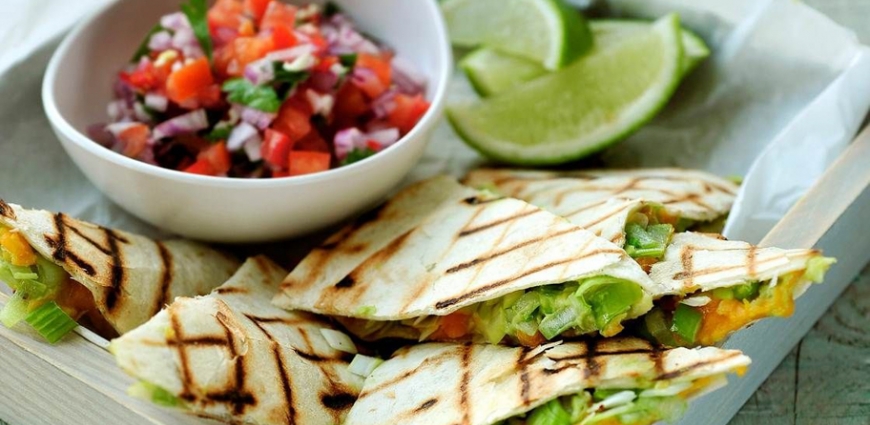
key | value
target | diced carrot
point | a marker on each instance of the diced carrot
(306, 162)
(189, 80)
(377, 64)
(19, 249)
(134, 139)
(407, 111)
(276, 148)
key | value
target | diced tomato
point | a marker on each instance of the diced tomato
(307, 162)
(282, 37)
(350, 104)
(280, 173)
(373, 145)
(407, 112)
(212, 162)
(189, 80)
(454, 325)
(278, 14)
(319, 42)
(312, 142)
(19, 249)
(377, 64)
(225, 14)
(325, 63)
(294, 119)
(370, 84)
(256, 8)
(232, 58)
(144, 77)
(134, 139)
(276, 148)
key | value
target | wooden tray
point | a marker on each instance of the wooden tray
(77, 381)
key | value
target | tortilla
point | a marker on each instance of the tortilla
(438, 247)
(234, 357)
(443, 383)
(131, 277)
(601, 201)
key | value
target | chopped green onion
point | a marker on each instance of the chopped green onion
(551, 413)
(523, 308)
(364, 365)
(747, 290)
(197, 14)
(687, 322)
(51, 322)
(610, 298)
(601, 394)
(647, 242)
(723, 293)
(347, 60)
(15, 310)
(817, 267)
(155, 394)
(554, 324)
(656, 324)
(25, 275)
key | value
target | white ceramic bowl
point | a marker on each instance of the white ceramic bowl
(78, 86)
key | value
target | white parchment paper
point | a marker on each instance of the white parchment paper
(782, 95)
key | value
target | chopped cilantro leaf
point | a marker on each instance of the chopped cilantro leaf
(357, 154)
(242, 91)
(143, 49)
(197, 14)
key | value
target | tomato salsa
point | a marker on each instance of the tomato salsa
(258, 89)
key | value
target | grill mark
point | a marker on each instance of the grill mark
(60, 251)
(290, 413)
(497, 254)
(426, 405)
(93, 243)
(476, 200)
(525, 386)
(593, 368)
(465, 366)
(284, 320)
(602, 218)
(6, 210)
(328, 246)
(431, 361)
(224, 290)
(686, 259)
(117, 277)
(369, 216)
(711, 270)
(346, 282)
(451, 301)
(586, 207)
(339, 401)
(522, 214)
(165, 278)
(237, 396)
(683, 370)
(693, 198)
(658, 362)
(181, 349)
(606, 354)
(750, 260)
(202, 340)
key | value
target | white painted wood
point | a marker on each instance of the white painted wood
(832, 216)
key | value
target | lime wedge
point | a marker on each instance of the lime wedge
(545, 31)
(596, 101)
(491, 72)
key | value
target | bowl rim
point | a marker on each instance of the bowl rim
(92, 147)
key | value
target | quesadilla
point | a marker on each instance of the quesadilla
(233, 356)
(65, 270)
(613, 381)
(713, 287)
(638, 209)
(441, 261)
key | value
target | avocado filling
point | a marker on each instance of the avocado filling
(706, 318)
(610, 407)
(529, 317)
(44, 294)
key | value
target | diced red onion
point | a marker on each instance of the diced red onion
(160, 41)
(345, 140)
(99, 134)
(240, 135)
(190, 122)
(364, 77)
(117, 128)
(323, 81)
(175, 21)
(183, 38)
(256, 117)
(384, 104)
(147, 155)
(118, 110)
(157, 102)
(321, 104)
(384, 137)
(406, 77)
(253, 148)
(343, 38)
(223, 35)
(260, 71)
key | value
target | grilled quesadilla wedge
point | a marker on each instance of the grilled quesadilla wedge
(65, 270)
(442, 261)
(715, 287)
(613, 381)
(638, 209)
(233, 356)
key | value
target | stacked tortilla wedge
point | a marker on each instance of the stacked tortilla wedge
(109, 279)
